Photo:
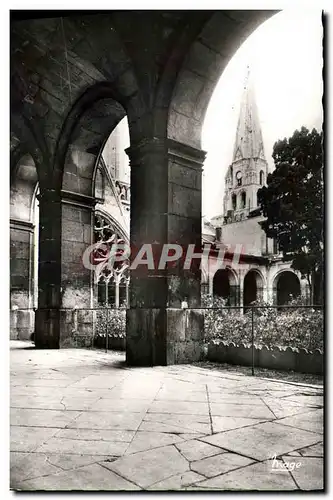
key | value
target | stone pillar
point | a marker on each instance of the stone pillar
(21, 279)
(165, 208)
(271, 295)
(64, 283)
(305, 291)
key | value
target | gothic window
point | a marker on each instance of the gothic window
(239, 178)
(261, 178)
(234, 201)
(243, 200)
(113, 278)
(99, 185)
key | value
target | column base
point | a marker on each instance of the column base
(61, 328)
(164, 336)
(21, 324)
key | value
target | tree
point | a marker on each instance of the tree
(292, 203)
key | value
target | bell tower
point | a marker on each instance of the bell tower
(248, 169)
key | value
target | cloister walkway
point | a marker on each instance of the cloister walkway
(82, 420)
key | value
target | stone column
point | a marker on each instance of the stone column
(165, 208)
(21, 279)
(64, 283)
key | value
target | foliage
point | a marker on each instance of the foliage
(290, 326)
(292, 202)
(111, 321)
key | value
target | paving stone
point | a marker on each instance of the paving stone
(96, 435)
(219, 464)
(117, 405)
(221, 424)
(28, 438)
(177, 482)
(79, 403)
(107, 420)
(240, 410)
(144, 440)
(182, 396)
(310, 421)
(196, 450)
(258, 477)
(283, 408)
(176, 423)
(310, 474)
(91, 477)
(39, 402)
(189, 436)
(181, 407)
(33, 465)
(316, 450)
(62, 445)
(41, 418)
(148, 467)
(97, 382)
(264, 440)
(306, 400)
(242, 399)
(106, 415)
(40, 382)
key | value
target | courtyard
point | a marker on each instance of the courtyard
(83, 420)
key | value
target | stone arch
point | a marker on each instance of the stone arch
(24, 180)
(204, 61)
(286, 286)
(253, 286)
(225, 285)
(23, 246)
(88, 126)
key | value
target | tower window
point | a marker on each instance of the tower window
(261, 177)
(243, 200)
(234, 201)
(239, 178)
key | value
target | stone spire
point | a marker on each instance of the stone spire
(248, 143)
(248, 169)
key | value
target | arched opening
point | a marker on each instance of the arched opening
(286, 287)
(261, 178)
(234, 202)
(243, 200)
(253, 287)
(225, 286)
(111, 279)
(24, 225)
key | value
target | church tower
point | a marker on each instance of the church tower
(248, 170)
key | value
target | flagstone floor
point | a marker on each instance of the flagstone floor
(82, 420)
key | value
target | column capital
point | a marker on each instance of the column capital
(173, 150)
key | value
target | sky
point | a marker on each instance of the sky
(285, 57)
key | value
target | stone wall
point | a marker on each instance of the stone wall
(278, 358)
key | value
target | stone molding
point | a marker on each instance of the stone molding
(176, 151)
(22, 225)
